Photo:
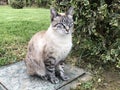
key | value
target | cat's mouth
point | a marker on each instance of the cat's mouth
(67, 31)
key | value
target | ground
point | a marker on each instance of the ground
(111, 81)
(104, 78)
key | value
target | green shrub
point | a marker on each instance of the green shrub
(38, 3)
(22, 3)
(17, 4)
(43, 3)
(97, 29)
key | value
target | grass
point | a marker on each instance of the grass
(16, 28)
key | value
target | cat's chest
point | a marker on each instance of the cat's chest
(62, 51)
(59, 45)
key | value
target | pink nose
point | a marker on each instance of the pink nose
(67, 27)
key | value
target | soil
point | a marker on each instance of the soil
(111, 81)
(103, 79)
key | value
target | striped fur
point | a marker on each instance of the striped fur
(47, 49)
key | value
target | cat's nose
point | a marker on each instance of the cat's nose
(67, 28)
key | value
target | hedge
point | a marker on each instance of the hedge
(17, 4)
(96, 36)
(22, 3)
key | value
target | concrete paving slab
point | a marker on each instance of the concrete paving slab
(14, 77)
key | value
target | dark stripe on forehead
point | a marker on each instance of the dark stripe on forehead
(64, 19)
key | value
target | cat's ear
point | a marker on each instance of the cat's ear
(70, 11)
(53, 13)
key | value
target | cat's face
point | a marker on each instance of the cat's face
(62, 23)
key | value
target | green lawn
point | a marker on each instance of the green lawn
(16, 28)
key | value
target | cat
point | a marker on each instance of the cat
(47, 50)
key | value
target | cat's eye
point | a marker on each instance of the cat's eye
(59, 26)
(71, 24)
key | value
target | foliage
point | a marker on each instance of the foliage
(43, 3)
(27, 3)
(17, 4)
(16, 29)
(97, 29)
(84, 86)
(3, 2)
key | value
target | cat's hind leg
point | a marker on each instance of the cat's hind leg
(35, 66)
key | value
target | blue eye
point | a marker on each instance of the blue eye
(59, 26)
(71, 24)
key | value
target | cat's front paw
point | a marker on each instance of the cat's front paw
(54, 80)
(44, 77)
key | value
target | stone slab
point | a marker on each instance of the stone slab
(2, 87)
(14, 77)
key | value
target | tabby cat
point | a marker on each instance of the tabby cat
(47, 50)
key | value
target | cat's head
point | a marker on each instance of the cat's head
(62, 23)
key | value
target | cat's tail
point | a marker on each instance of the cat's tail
(34, 66)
